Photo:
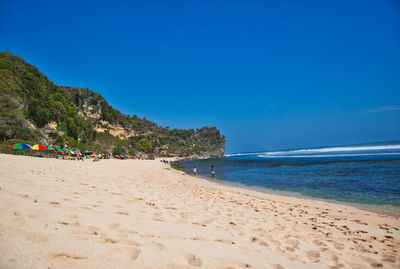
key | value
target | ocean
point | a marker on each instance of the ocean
(365, 175)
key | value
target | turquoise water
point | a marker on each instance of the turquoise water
(361, 174)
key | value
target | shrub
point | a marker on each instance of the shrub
(144, 145)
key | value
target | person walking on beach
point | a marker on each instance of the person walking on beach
(212, 171)
(194, 171)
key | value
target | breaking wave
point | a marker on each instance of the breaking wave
(377, 149)
(328, 155)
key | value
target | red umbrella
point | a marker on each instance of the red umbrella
(38, 147)
(51, 149)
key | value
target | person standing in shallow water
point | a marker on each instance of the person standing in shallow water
(194, 171)
(212, 171)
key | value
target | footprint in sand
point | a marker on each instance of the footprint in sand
(228, 264)
(200, 224)
(189, 259)
(276, 266)
(313, 255)
(225, 241)
(177, 266)
(55, 203)
(34, 237)
(69, 256)
(122, 213)
(93, 230)
(258, 241)
(338, 246)
(125, 253)
(113, 226)
(110, 240)
(159, 245)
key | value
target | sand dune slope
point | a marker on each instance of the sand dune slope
(143, 214)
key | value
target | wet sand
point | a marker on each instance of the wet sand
(143, 214)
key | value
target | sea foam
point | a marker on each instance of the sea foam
(319, 150)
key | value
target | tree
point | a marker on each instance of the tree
(144, 145)
(72, 129)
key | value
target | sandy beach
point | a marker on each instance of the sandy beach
(143, 214)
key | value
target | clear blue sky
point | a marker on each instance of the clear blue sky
(268, 74)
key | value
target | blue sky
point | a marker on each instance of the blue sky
(268, 74)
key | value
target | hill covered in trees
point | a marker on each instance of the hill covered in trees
(35, 110)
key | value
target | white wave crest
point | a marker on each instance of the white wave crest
(319, 150)
(327, 155)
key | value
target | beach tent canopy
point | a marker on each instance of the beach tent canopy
(20, 146)
(38, 147)
(51, 149)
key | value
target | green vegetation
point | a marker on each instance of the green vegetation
(117, 150)
(144, 145)
(30, 103)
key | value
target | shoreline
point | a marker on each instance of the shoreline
(373, 208)
(365, 207)
(122, 213)
(385, 209)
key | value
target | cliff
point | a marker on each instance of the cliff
(35, 110)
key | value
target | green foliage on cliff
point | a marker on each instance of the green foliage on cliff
(144, 145)
(84, 120)
(117, 150)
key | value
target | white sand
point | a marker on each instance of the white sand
(142, 214)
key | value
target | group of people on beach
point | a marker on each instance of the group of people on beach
(212, 169)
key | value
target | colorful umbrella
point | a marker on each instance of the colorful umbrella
(60, 151)
(67, 152)
(20, 146)
(38, 147)
(51, 149)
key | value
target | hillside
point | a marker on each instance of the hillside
(35, 110)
